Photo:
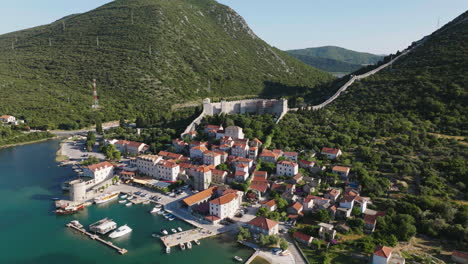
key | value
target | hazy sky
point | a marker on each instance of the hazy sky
(377, 26)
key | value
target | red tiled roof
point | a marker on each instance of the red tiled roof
(224, 199)
(257, 140)
(99, 166)
(263, 174)
(297, 206)
(370, 219)
(334, 192)
(341, 169)
(297, 177)
(259, 186)
(333, 151)
(460, 254)
(218, 172)
(222, 153)
(200, 196)
(287, 163)
(271, 203)
(263, 223)
(205, 168)
(212, 218)
(306, 162)
(240, 173)
(290, 154)
(169, 164)
(129, 143)
(383, 251)
(212, 127)
(259, 179)
(301, 236)
(201, 147)
(347, 199)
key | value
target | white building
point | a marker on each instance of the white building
(211, 158)
(147, 164)
(99, 172)
(292, 156)
(240, 150)
(197, 152)
(226, 205)
(234, 132)
(287, 168)
(130, 147)
(331, 153)
(7, 119)
(384, 255)
(168, 170)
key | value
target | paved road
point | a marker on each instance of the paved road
(65, 133)
(77, 151)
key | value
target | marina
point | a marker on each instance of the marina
(97, 238)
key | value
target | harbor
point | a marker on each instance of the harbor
(97, 238)
(185, 237)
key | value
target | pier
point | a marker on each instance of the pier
(96, 237)
(186, 236)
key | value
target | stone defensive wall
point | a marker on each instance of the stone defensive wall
(278, 107)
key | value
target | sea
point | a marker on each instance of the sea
(30, 233)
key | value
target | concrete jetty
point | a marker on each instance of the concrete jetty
(186, 236)
(96, 237)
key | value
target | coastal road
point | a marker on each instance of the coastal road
(68, 133)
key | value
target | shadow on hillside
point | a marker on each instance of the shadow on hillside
(277, 90)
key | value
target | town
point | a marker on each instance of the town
(220, 181)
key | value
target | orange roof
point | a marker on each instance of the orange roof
(200, 196)
(129, 143)
(333, 151)
(218, 172)
(205, 168)
(259, 186)
(224, 199)
(287, 163)
(99, 166)
(297, 206)
(257, 140)
(334, 192)
(301, 236)
(210, 153)
(221, 153)
(341, 169)
(383, 251)
(263, 223)
(290, 154)
(212, 218)
(263, 174)
(202, 148)
(169, 164)
(271, 203)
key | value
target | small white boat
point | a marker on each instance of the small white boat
(164, 231)
(128, 204)
(173, 230)
(154, 235)
(122, 201)
(76, 223)
(121, 231)
(238, 258)
(155, 210)
(168, 250)
(180, 229)
(171, 218)
(182, 246)
(189, 245)
(146, 202)
(158, 205)
(124, 196)
(197, 242)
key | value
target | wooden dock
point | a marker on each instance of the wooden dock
(96, 237)
(186, 236)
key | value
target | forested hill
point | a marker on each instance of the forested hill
(430, 83)
(339, 54)
(328, 65)
(145, 55)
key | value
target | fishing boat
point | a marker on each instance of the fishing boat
(124, 196)
(122, 201)
(189, 245)
(103, 226)
(238, 258)
(128, 204)
(70, 209)
(168, 250)
(171, 218)
(106, 197)
(197, 242)
(121, 231)
(155, 210)
(158, 205)
(180, 229)
(164, 231)
(76, 223)
(182, 246)
(173, 230)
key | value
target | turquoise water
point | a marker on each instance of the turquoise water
(31, 233)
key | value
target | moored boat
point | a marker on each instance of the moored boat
(164, 231)
(173, 230)
(106, 197)
(124, 196)
(168, 250)
(122, 201)
(238, 258)
(76, 223)
(180, 229)
(70, 209)
(182, 246)
(128, 204)
(155, 210)
(121, 231)
(197, 242)
(103, 226)
(189, 245)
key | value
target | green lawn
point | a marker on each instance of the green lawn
(260, 260)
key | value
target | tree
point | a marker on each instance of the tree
(283, 244)
(90, 160)
(322, 215)
(244, 234)
(99, 129)
(223, 167)
(281, 203)
(262, 212)
(122, 123)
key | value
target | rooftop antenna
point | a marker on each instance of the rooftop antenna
(95, 96)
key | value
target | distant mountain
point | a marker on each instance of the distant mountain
(339, 54)
(328, 65)
(145, 55)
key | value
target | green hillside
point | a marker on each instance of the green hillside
(328, 65)
(396, 129)
(145, 55)
(339, 54)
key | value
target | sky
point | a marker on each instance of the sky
(375, 26)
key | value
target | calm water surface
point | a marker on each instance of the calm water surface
(30, 233)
